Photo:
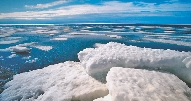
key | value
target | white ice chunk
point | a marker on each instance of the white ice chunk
(45, 31)
(32, 61)
(9, 41)
(12, 56)
(27, 44)
(126, 84)
(65, 36)
(61, 39)
(84, 33)
(28, 57)
(98, 61)
(114, 36)
(19, 49)
(44, 48)
(60, 82)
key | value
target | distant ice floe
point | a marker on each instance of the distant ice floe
(6, 33)
(27, 44)
(19, 49)
(61, 82)
(181, 43)
(85, 33)
(32, 61)
(28, 57)
(12, 56)
(114, 36)
(10, 40)
(59, 38)
(44, 48)
(126, 84)
(45, 31)
(1, 58)
(65, 36)
(98, 61)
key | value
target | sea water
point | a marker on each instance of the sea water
(52, 44)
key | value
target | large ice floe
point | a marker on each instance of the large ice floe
(98, 61)
(126, 84)
(61, 82)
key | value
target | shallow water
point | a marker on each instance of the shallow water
(52, 44)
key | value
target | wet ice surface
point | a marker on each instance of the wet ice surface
(28, 47)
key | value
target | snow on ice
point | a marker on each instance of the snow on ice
(98, 61)
(121, 67)
(61, 82)
(127, 84)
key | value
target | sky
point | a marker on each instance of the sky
(95, 11)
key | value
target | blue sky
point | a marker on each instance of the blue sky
(95, 11)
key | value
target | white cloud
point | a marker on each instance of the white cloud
(47, 5)
(107, 7)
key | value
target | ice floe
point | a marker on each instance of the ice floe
(12, 56)
(83, 33)
(181, 43)
(59, 38)
(32, 61)
(61, 82)
(19, 49)
(126, 84)
(45, 31)
(28, 57)
(115, 36)
(27, 44)
(9, 41)
(98, 61)
(65, 36)
(44, 48)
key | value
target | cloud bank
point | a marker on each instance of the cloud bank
(110, 7)
(47, 5)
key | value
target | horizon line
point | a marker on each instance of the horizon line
(99, 23)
